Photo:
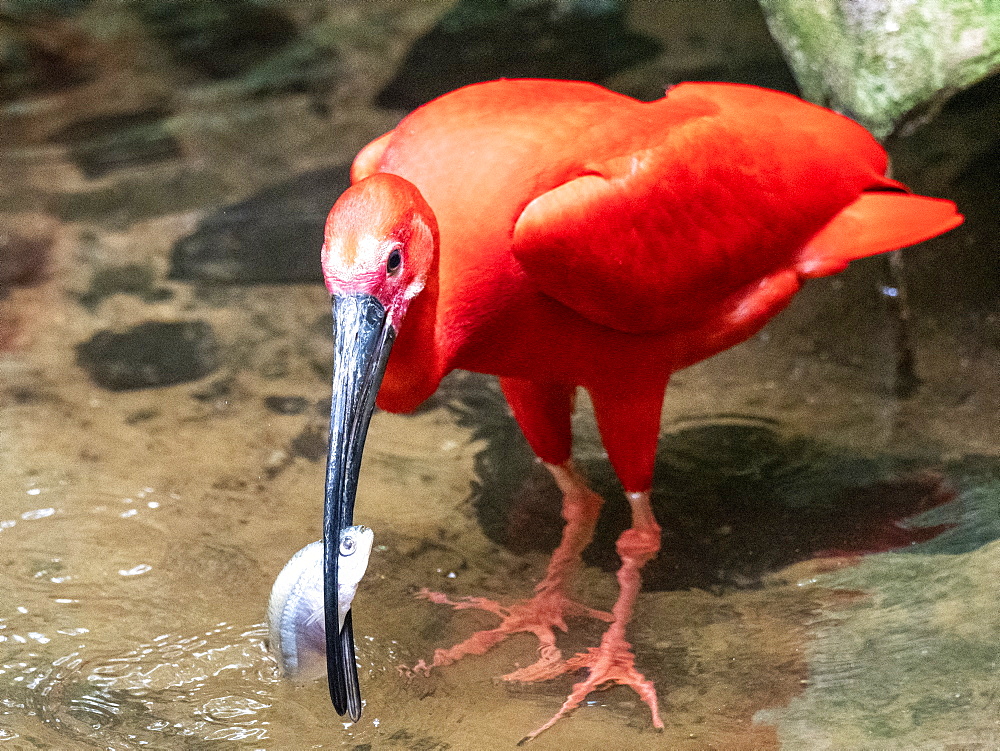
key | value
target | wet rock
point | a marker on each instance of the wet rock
(311, 444)
(110, 142)
(956, 156)
(304, 67)
(286, 405)
(45, 7)
(139, 196)
(141, 415)
(220, 390)
(220, 39)
(273, 236)
(40, 53)
(23, 257)
(129, 278)
(150, 354)
(480, 40)
(26, 242)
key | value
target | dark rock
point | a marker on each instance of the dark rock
(141, 415)
(304, 67)
(273, 236)
(137, 196)
(286, 405)
(24, 395)
(218, 390)
(311, 444)
(23, 259)
(150, 354)
(956, 155)
(129, 278)
(103, 144)
(218, 39)
(45, 7)
(480, 40)
(40, 53)
(736, 499)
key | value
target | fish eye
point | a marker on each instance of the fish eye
(348, 545)
(393, 262)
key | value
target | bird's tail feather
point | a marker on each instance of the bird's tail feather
(877, 222)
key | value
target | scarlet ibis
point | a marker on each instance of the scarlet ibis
(559, 235)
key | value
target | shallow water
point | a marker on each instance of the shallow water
(829, 565)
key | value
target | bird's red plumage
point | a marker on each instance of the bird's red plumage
(584, 238)
(591, 239)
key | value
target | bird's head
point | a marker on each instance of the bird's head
(379, 252)
(380, 240)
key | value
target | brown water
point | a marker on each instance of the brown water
(828, 577)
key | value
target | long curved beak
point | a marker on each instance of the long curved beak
(363, 337)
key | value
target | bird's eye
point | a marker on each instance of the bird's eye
(347, 545)
(393, 262)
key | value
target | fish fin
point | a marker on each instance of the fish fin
(351, 683)
(876, 222)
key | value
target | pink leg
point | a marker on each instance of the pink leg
(547, 610)
(629, 425)
(612, 663)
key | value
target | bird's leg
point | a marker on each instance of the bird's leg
(547, 610)
(613, 663)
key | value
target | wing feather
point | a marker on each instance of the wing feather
(662, 237)
(875, 223)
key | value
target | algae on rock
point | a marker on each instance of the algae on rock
(886, 63)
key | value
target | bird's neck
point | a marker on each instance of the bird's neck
(415, 366)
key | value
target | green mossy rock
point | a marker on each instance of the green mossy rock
(886, 63)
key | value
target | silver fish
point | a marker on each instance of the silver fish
(295, 610)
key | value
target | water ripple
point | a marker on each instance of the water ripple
(212, 686)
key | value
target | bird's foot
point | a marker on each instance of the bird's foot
(610, 664)
(613, 662)
(540, 615)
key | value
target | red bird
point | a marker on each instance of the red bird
(559, 235)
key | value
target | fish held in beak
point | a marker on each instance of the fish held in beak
(296, 609)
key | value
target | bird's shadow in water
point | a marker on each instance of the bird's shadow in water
(736, 498)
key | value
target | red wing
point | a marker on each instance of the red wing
(662, 238)
(659, 238)
(875, 223)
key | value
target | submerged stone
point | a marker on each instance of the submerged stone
(129, 279)
(312, 443)
(23, 258)
(304, 67)
(736, 498)
(44, 8)
(110, 142)
(40, 53)
(481, 40)
(273, 236)
(140, 195)
(150, 354)
(286, 405)
(218, 39)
